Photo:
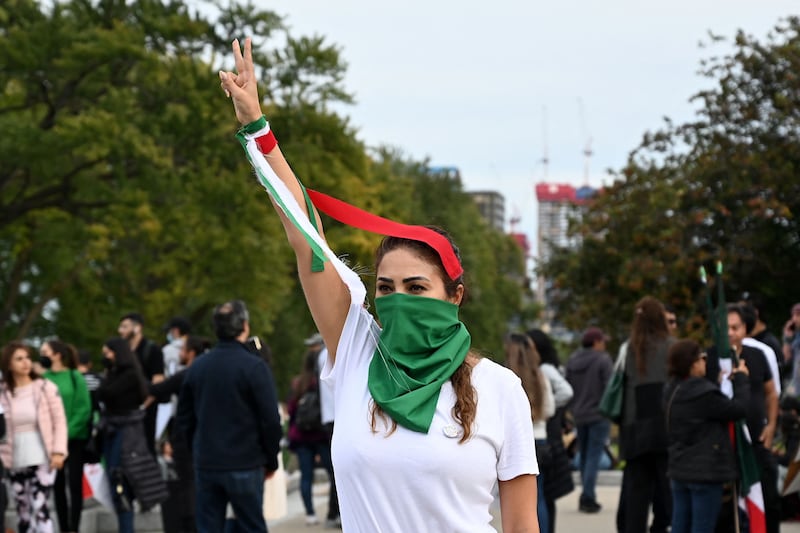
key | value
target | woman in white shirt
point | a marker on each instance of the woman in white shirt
(523, 359)
(425, 428)
(557, 471)
(36, 438)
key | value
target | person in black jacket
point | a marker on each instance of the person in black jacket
(700, 457)
(177, 513)
(132, 470)
(228, 410)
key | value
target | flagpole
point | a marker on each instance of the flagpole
(735, 502)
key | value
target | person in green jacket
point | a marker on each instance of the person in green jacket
(60, 359)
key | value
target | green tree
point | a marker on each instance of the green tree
(121, 186)
(723, 186)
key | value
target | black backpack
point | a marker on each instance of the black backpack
(308, 416)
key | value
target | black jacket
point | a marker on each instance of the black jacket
(138, 466)
(122, 391)
(228, 410)
(700, 449)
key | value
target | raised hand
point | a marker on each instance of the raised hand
(242, 87)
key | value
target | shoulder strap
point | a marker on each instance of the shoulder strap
(622, 355)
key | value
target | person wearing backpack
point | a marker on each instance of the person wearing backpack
(308, 437)
(60, 360)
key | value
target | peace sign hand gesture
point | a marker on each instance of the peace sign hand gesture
(242, 87)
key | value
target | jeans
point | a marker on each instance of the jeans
(306, 454)
(592, 439)
(695, 506)
(541, 503)
(244, 489)
(123, 498)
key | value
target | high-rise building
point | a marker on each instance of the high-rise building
(558, 203)
(492, 206)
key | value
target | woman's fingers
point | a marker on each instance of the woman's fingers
(237, 55)
(225, 82)
(248, 57)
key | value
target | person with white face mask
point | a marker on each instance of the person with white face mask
(425, 428)
(177, 329)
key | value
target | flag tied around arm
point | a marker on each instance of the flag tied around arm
(248, 136)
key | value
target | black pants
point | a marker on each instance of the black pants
(644, 482)
(150, 428)
(177, 512)
(768, 467)
(68, 488)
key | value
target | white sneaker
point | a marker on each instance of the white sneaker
(312, 520)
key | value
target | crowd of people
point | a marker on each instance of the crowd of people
(680, 399)
(413, 401)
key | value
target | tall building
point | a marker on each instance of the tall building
(492, 206)
(558, 203)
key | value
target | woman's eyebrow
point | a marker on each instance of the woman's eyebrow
(415, 278)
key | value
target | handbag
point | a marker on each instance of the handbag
(614, 393)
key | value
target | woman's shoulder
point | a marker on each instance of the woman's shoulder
(550, 371)
(488, 372)
(49, 388)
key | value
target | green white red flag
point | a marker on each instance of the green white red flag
(751, 497)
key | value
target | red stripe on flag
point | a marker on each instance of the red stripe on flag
(87, 489)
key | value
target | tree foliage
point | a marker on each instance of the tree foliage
(122, 188)
(723, 186)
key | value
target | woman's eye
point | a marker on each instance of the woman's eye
(384, 288)
(417, 288)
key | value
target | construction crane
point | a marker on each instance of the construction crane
(545, 160)
(587, 149)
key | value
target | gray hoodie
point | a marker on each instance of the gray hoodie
(588, 371)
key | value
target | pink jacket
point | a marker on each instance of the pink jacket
(50, 418)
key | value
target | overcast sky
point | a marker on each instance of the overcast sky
(465, 83)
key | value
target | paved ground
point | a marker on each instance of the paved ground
(568, 519)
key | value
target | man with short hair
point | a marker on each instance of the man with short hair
(228, 410)
(176, 329)
(588, 372)
(131, 328)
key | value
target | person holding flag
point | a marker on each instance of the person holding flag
(752, 439)
(425, 428)
(701, 457)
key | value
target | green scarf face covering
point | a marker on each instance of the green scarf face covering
(421, 346)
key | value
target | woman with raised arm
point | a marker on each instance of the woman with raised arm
(425, 428)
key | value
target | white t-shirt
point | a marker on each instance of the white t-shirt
(410, 481)
(770, 356)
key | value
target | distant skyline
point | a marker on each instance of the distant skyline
(476, 85)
